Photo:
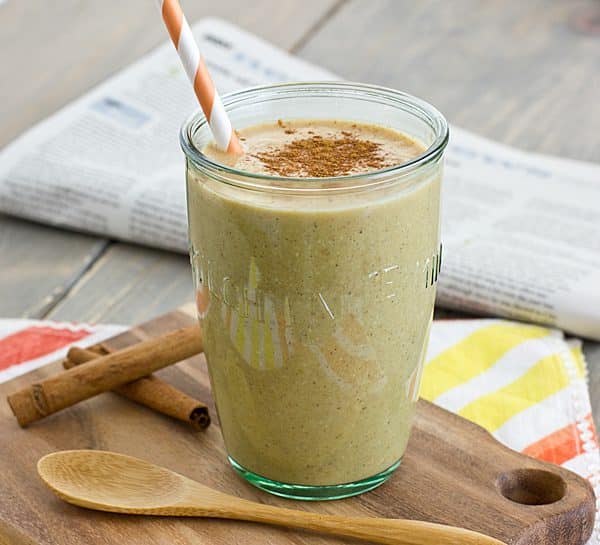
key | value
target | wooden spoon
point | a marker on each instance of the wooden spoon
(113, 482)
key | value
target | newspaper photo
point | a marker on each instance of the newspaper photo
(521, 232)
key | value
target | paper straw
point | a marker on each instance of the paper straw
(195, 68)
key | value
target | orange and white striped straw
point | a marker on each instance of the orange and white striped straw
(195, 68)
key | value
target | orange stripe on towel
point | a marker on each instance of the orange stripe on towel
(562, 445)
(34, 342)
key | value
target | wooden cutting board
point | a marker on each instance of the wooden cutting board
(453, 472)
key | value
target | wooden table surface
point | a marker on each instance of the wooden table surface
(523, 73)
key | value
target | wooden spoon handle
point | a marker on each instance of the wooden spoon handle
(377, 530)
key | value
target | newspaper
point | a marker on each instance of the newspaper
(521, 232)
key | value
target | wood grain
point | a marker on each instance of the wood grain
(453, 472)
(128, 284)
(38, 265)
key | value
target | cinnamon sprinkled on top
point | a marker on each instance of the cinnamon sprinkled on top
(318, 148)
(318, 157)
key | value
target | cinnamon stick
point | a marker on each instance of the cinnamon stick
(152, 392)
(104, 373)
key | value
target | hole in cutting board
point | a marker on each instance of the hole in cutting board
(531, 486)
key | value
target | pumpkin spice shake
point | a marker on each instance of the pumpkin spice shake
(315, 290)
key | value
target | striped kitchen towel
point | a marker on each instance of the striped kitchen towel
(525, 384)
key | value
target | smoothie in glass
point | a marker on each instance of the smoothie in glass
(315, 286)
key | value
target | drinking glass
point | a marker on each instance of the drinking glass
(315, 295)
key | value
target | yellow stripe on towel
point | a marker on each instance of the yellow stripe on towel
(547, 377)
(473, 355)
(579, 361)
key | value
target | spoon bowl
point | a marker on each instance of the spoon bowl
(100, 479)
(113, 482)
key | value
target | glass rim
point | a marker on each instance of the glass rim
(197, 121)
